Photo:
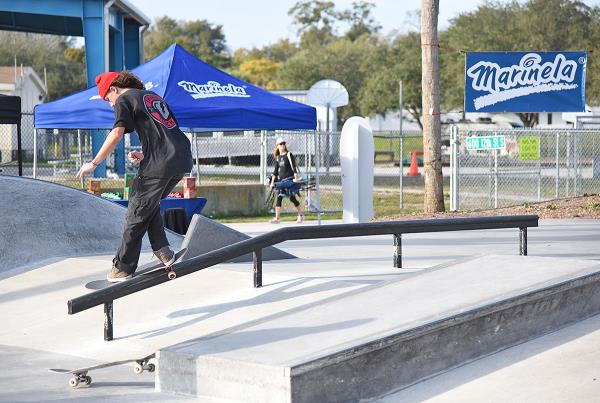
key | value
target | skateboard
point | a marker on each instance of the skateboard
(100, 284)
(80, 375)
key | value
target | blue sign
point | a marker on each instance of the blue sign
(525, 81)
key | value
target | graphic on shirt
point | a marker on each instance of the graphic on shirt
(158, 109)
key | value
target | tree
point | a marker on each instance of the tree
(343, 60)
(280, 51)
(261, 66)
(392, 62)
(260, 72)
(360, 19)
(432, 138)
(200, 37)
(65, 73)
(537, 25)
(315, 19)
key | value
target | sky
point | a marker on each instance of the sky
(256, 23)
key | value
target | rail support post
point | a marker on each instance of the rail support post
(523, 241)
(108, 321)
(257, 258)
(398, 251)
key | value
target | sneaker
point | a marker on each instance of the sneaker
(165, 255)
(115, 275)
(274, 221)
(300, 219)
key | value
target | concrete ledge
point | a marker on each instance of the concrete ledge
(407, 358)
(389, 336)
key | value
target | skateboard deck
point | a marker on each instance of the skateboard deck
(151, 268)
(80, 375)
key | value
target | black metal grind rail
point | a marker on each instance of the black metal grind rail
(255, 246)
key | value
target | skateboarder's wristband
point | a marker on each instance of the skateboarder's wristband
(94, 164)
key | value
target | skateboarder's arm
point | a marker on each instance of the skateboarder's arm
(109, 145)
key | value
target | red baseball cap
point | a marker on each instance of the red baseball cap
(104, 81)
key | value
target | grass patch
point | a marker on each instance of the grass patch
(409, 145)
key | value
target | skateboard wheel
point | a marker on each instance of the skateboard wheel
(73, 382)
(88, 380)
(150, 367)
(172, 275)
(138, 369)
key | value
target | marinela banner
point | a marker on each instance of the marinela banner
(525, 81)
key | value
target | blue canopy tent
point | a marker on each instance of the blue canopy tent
(202, 98)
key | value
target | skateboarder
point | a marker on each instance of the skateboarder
(165, 158)
(285, 170)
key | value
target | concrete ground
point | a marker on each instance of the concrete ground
(563, 366)
(40, 334)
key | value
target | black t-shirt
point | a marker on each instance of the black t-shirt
(166, 149)
(283, 168)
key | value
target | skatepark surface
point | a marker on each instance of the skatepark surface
(220, 302)
(44, 221)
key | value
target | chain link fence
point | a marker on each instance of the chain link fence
(225, 158)
(233, 158)
(528, 165)
(9, 148)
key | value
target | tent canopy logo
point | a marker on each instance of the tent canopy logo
(213, 89)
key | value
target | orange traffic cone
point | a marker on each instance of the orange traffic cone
(413, 170)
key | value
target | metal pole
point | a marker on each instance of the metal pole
(317, 168)
(34, 153)
(309, 162)
(557, 185)
(19, 150)
(576, 165)
(401, 151)
(401, 163)
(567, 190)
(523, 241)
(195, 138)
(495, 178)
(257, 261)
(108, 321)
(81, 183)
(490, 176)
(539, 165)
(454, 169)
(327, 132)
(262, 173)
(398, 251)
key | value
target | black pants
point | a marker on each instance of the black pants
(143, 214)
(292, 199)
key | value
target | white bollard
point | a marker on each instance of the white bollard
(357, 159)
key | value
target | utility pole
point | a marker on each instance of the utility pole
(430, 83)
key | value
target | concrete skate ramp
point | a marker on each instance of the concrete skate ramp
(205, 235)
(43, 220)
(380, 338)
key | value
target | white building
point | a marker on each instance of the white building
(25, 83)
(567, 120)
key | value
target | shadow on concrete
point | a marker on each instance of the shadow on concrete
(44, 288)
(252, 338)
(470, 371)
(278, 294)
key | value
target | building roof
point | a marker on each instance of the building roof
(7, 76)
